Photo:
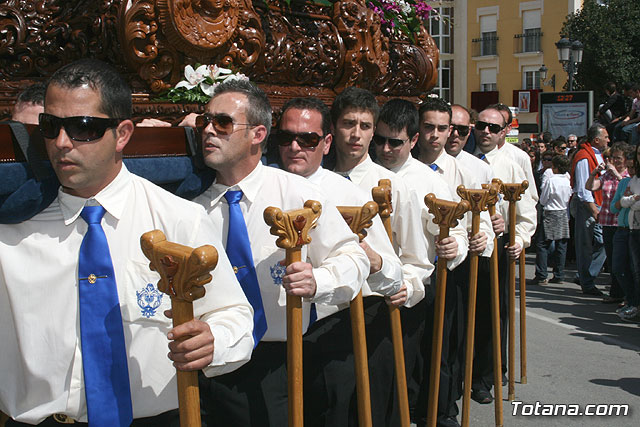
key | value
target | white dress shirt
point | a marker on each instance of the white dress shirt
(480, 169)
(455, 173)
(423, 180)
(548, 173)
(555, 192)
(40, 356)
(386, 281)
(582, 173)
(523, 160)
(408, 239)
(526, 215)
(340, 265)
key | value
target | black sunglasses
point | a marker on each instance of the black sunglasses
(285, 138)
(393, 142)
(222, 123)
(78, 128)
(461, 129)
(493, 128)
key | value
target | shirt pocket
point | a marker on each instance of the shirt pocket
(143, 301)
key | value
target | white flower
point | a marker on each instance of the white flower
(238, 76)
(406, 7)
(207, 88)
(193, 77)
(218, 72)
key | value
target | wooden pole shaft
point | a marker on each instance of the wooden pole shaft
(360, 360)
(495, 329)
(398, 348)
(436, 342)
(188, 393)
(523, 320)
(294, 350)
(471, 322)
(398, 357)
(512, 305)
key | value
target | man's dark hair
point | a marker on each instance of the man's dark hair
(557, 143)
(33, 94)
(627, 86)
(594, 131)
(400, 114)
(435, 104)
(561, 163)
(258, 108)
(115, 93)
(354, 97)
(313, 104)
(610, 87)
(501, 107)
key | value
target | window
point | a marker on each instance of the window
(532, 40)
(441, 29)
(531, 30)
(488, 80)
(488, 41)
(531, 79)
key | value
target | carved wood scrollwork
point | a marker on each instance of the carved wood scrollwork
(288, 49)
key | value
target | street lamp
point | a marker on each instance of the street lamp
(570, 55)
(543, 76)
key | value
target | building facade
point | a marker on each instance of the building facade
(492, 51)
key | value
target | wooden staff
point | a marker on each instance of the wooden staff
(183, 273)
(478, 201)
(512, 194)
(495, 308)
(358, 218)
(382, 196)
(292, 229)
(523, 321)
(446, 215)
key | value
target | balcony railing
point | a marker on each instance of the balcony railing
(527, 42)
(486, 45)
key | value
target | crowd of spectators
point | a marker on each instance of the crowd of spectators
(589, 207)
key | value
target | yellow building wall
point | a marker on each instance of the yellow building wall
(509, 65)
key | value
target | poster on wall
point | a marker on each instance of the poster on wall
(565, 113)
(524, 101)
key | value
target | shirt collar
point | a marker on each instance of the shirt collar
(403, 166)
(113, 198)
(249, 186)
(359, 171)
(490, 155)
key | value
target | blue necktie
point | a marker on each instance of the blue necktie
(239, 253)
(481, 156)
(433, 167)
(104, 356)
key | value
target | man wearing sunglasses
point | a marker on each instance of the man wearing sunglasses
(304, 135)
(399, 121)
(490, 129)
(78, 287)
(234, 131)
(515, 153)
(354, 114)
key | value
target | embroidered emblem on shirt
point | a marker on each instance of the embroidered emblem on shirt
(277, 271)
(149, 299)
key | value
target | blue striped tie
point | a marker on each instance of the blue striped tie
(239, 253)
(433, 167)
(104, 356)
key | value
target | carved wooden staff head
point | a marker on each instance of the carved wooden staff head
(446, 213)
(183, 270)
(359, 218)
(478, 199)
(292, 227)
(494, 193)
(513, 191)
(382, 196)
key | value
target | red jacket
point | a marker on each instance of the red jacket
(586, 152)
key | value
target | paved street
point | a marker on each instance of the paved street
(579, 352)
